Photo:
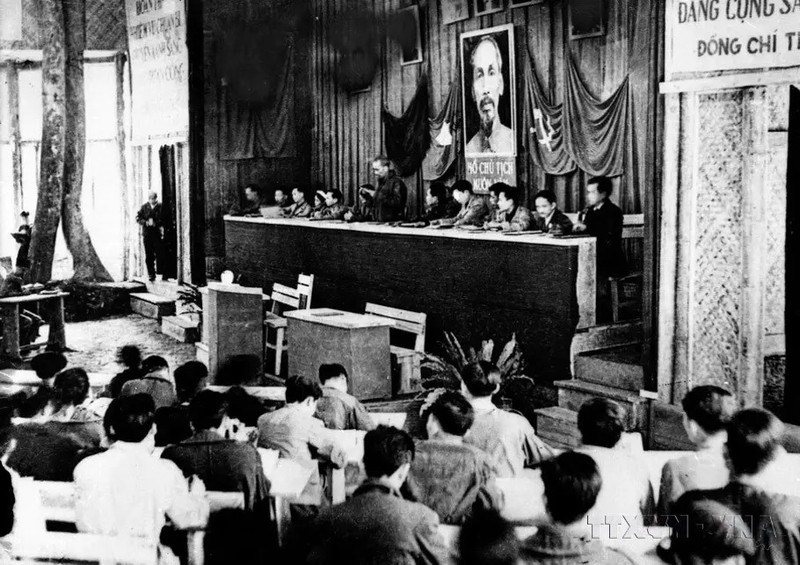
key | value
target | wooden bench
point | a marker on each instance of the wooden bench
(9, 313)
(152, 305)
(407, 359)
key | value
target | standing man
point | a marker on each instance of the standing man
(149, 217)
(390, 196)
(23, 237)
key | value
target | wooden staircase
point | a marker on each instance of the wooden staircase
(159, 303)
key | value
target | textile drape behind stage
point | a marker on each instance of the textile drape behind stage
(440, 157)
(407, 137)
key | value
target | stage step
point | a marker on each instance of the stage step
(573, 393)
(618, 367)
(166, 288)
(558, 427)
(151, 305)
(201, 352)
(180, 328)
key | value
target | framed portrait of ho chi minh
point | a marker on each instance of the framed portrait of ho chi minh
(488, 91)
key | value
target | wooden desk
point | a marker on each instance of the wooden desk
(477, 285)
(28, 378)
(9, 312)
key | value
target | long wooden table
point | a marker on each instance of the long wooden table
(9, 310)
(477, 285)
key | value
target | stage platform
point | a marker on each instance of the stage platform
(479, 285)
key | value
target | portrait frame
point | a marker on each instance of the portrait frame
(523, 3)
(411, 56)
(455, 11)
(503, 36)
(586, 18)
(486, 7)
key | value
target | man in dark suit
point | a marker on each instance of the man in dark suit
(550, 219)
(603, 220)
(377, 525)
(150, 218)
(390, 196)
(223, 464)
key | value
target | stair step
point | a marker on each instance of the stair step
(558, 427)
(152, 305)
(619, 367)
(574, 392)
(182, 329)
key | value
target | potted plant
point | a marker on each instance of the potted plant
(190, 302)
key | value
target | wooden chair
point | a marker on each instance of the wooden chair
(407, 359)
(626, 293)
(285, 298)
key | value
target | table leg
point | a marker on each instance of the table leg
(56, 339)
(10, 315)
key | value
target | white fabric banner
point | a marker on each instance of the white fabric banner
(159, 62)
(10, 20)
(717, 35)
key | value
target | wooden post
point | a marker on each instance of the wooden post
(16, 136)
(10, 315)
(119, 61)
(56, 338)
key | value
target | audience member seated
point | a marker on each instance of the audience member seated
(572, 483)
(334, 209)
(46, 366)
(68, 416)
(487, 538)
(243, 407)
(450, 477)
(508, 438)
(550, 219)
(126, 491)
(44, 454)
(156, 382)
(223, 464)
(510, 215)
(172, 422)
(300, 208)
(298, 435)
(752, 448)
(626, 490)
(706, 532)
(364, 210)
(707, 410)
(377, 525)
(473, 207)
(338, 409)
(233, 537)
(131, 358)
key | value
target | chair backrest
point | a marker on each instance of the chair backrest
(284, 298)
(404, 320)
(305, 286)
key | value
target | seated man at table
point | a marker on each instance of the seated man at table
(550, 219)
(572, 483)
(46, 365)
(300, 208)
(333, 209)
(252, 202)
(754, 452)
(298, 435)
(450, 477)
(364, 210)
(708, 532)
(128, 492)
(473, 207)
(338, 409)
(156, 382)
(627, 490)
(508, 438)
(223, 464)
(435, 203)
(707, 410)
(376, 525)
(511, 216)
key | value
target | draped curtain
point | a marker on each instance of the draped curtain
(407, 137)
(445, 135)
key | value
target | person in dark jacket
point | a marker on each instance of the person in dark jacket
(487, 538)
(172, 422)
(156, 382)
(364, 210)
(130, 357)
(549, 218)
(46, 365)
(450, 477)
(253, 201)
(436, 204)
(223, 464)
(377, 525)
(151, 219)
(23, 237)
(391, 194)
(338, 409)
(708, 532)
(603, 219)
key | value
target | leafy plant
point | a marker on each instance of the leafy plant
(190, 298)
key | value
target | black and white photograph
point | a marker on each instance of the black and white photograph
(441, 282)
(488, 88)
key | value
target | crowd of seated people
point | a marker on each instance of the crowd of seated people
(126, 485)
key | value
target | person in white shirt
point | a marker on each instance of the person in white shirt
(127, 491)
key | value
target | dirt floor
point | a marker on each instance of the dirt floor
(94, 345)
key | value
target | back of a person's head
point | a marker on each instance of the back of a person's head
(705, 531)
(207, 410)
(481, 378)
(243, 407)
(710, 406)
(131, 417)
(386, 449)
(601, 422)
(300, 387)
(754, 439)
(239, 370)
(188, 378)
(154, 363)
(487, 538)
(130, 356)
(453, 412)
(572, 482)
(47, 364)
(331, 371)
(71, 386)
